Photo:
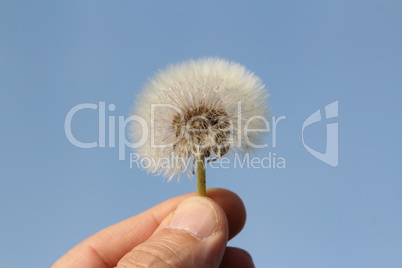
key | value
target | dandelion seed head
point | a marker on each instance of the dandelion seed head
(198, 107)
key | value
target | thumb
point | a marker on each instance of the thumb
(194, 235)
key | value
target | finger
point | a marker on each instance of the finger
(105, 248)
(236, 258)
(233, 207)
(108, 246)
(195, 235)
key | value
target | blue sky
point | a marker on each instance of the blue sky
(56, 55)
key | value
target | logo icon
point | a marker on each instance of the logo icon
(330, 156)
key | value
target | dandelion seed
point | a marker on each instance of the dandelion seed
(197, 111)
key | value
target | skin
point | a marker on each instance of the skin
(148, 239)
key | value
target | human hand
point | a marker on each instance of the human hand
(185, 231)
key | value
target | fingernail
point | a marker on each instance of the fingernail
(197, 216)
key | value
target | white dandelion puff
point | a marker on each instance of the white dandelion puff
(199, 108)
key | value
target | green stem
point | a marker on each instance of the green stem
(201, 188)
